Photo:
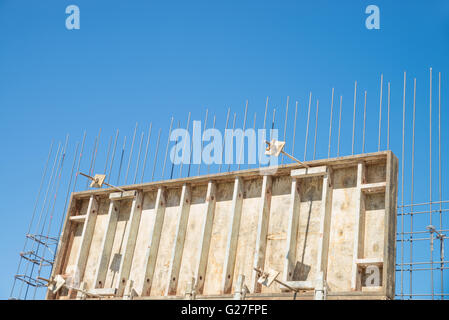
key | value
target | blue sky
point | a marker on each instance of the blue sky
(145, 61)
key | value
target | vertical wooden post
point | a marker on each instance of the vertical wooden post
(86, 238)
(106, 246)
(183, 217)
(153, 245)
(130, 242)
(359, 226)
(62, 251)
(262, 231)
(292, 232)
(231, 248)
(391, 192)
(325, 222)
(205, 240)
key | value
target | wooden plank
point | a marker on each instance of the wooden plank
(359, 227)
(79, 218)
(153, 243)
(130, 242)
(292, 231)
(309, 172)
(325, 223)
(391, 192)
(103, 291)
(86, 237)
(301, 285)
(183, 217)
(231, 248)
(262, 230)
(369, 262)
(206, 237)
(123, 195)
(227, 176)
(106, 246)
(378, 187)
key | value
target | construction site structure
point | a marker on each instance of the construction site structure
(327, 230)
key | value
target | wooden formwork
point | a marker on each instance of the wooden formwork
(198, 237)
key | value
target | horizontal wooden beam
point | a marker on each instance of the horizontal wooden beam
(309, 172)
(123, 195)
(378, 187)
(78, 218)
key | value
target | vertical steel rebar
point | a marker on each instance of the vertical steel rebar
(108, 177)
(294, 130)
(233, 127)
(430, 184)
(130, 154)
(138, 158)
(316, 129)
(402, 184)
(285, 124)
(439, 187)
(364, 124)
(307, 128)
(176, 151)
(213, 127)
(330, 125)
(121, 160)
(223, 142)
(353, 116)
(380, 108)
(412, 189)
(166, 149)
(107, 155)
(155, 156)
(242, 148)
(388, 118)
(146, 152)
(184, 147)
(339, 127)
(202, 142)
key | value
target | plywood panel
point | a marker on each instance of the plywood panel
(117, 247)
(192, 241)
(308, 228)
(248, 232)
(374, 225)
(342, 229)
(145, 226)
(95, 247)
(160, 278)
(214, 271)
(277, 228)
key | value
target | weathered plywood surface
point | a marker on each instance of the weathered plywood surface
(218, 240)
(308, 229)
(117, 246)
(342, 229)
(248, 231)
(227, 255)
(161, 273)
(192, 240)
(142, 242)
(277, 228)
(95, 247)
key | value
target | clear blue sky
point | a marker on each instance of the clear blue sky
(146, 61)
